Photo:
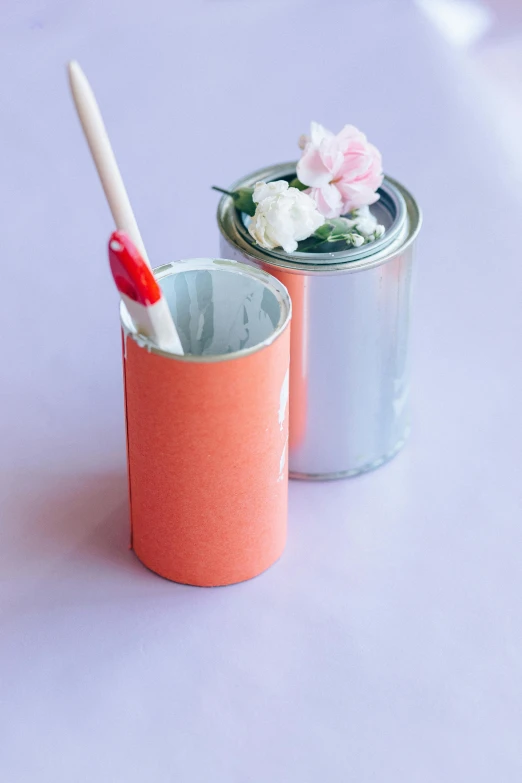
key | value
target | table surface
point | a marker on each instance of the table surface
(386, 644)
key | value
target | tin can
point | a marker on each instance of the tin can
(350, 364)
(207, 432)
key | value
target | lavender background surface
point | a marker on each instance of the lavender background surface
(386, 645)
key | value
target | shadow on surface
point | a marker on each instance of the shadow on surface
(59, 522)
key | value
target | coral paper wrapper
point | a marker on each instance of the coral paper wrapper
(207, 458)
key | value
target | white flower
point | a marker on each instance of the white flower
(357, 240)
(365, 222)
(284, 216)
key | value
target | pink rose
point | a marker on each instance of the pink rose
(343, 172)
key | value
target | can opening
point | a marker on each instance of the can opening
(218, 311)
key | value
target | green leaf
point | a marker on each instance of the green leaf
(342, 225)
(310, 245)
(295, 183)
(323, 232)
(335, 237)
(243, 200)
(335, 230)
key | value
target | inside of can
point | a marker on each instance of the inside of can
(218, 311)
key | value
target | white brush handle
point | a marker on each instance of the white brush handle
(101, 150)
(155, 322)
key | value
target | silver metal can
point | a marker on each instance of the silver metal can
(349, 367)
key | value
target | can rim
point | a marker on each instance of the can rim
(404, 231)
(208, 264)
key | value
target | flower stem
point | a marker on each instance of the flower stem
(221, 190)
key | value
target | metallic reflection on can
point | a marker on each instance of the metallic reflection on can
(349, 369)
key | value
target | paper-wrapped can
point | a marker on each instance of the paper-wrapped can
(207, 432)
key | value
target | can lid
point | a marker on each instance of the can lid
(396, 210)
